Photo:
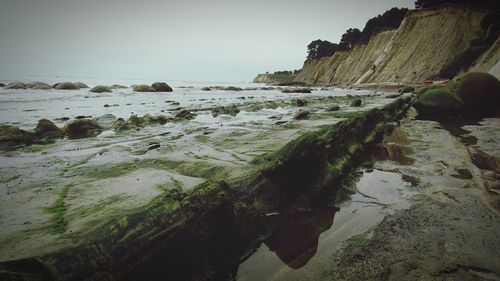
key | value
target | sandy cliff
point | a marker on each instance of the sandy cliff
(417, 51)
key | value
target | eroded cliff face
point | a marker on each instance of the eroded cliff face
(417, 51)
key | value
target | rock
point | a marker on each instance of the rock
(153, 146)
(302, 114)
(205, 89)
(66, 86)
(407, 89)
(82, 128)
(232, 110)
(39, 86)
(16, 85)
(333, 108)
(356, 103)
(438, 102)
(12, 137)
(155, 119)
(292, 83)
(81, 85)
(118, 86)
(100, 89)
(462, 173)
(2, 85)
(480, 93)
(299, 102)
(414, 181)
(120, 125)
(161, 87)
(392, 96)
(106, 121)
(45, 129)
(296, 90)
(185, 115)
(232, 88)
(142, 88)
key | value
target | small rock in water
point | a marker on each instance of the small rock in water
(356, 103)
(153, 146)
(302, 115)
(333, 108)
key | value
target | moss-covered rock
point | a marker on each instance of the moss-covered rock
(121, 125)
(66, 86)
(11, 137)
(82, 128)
(302, 115)
(185, 115)
(232, 110)
(299, 102)
(38, 86)
(142, 88)
(101, 89)
(47, 130)
(106, 121)
(356, 103)
(333, 108)
(407, 89)
(161, 87)
(480, 93)
(16, 85)
(438, 102)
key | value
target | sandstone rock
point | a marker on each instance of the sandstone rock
(82, 128)
(16, 85)
(161, 87)
(480, 93)
(66, 86)
(47, 130)
(100, 89)
(12, 137)
(143, 88)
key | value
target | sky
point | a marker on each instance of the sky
(171, 40)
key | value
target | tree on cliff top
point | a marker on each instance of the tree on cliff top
(495, 4)
(349, 38)
(391, 19)
(321, 48)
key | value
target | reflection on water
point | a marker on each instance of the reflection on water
(302, 244)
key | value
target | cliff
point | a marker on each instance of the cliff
(425, 42)
(273, 78)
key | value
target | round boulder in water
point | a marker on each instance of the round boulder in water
(438, 102)
(11, 137)
(66, 86)
(161, 87)
(45, 129)
(100, 89)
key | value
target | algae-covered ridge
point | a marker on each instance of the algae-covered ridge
(115, 223)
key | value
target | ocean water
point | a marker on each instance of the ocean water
(24, 108)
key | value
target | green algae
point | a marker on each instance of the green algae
(57, 209)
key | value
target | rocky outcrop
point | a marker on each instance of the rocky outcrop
(82, 128)
(100, 89)
(426, 41)
(161, 87)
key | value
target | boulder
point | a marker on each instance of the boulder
(2, 85)
(480, 93)
(106, 121)
(161, 87)
(438, 102)
(38, 86)
(81, 85)
(143, 88)
(121, 125)
(82, 128)
(333, 108)
(302, 114)
(16, 85)
(297, 90)
(118, 86)
(356, 103)
(66, 86)
(11, 137)
(232, 88)
(47, 130)
(407, 89)
(185, 115)
(205, 89)
(100, 89)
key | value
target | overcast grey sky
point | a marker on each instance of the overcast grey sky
(187, 40)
